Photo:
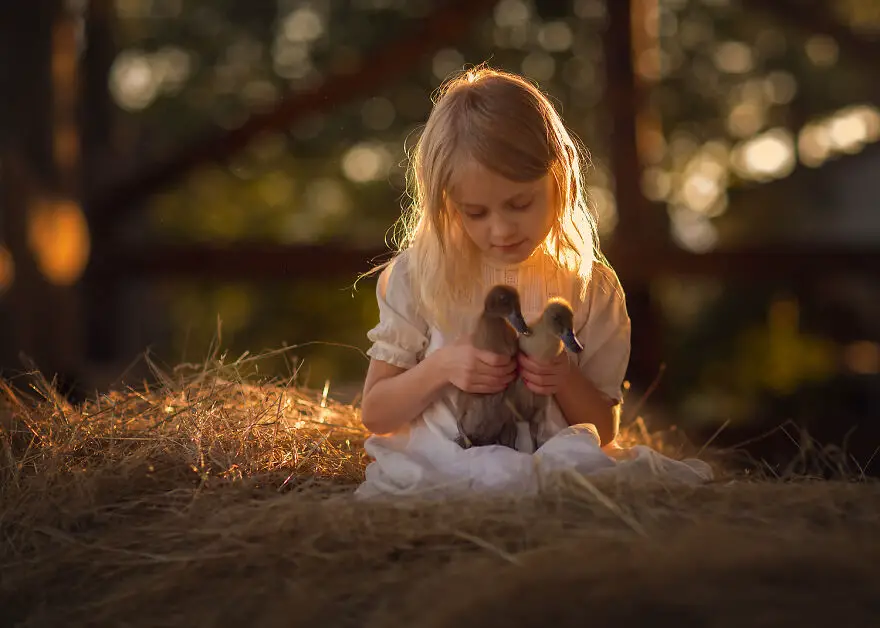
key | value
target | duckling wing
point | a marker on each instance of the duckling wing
(524, 401)
(496, 335)
(486, 418)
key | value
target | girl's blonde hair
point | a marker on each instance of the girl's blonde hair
(509, 126)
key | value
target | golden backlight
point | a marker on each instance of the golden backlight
(59, 238)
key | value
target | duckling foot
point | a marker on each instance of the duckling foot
(463, 441)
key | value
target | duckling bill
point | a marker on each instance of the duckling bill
(487, 419)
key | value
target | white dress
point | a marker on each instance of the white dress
(422, 457)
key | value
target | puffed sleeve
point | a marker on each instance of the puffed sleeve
(401, 336)
(605, 333)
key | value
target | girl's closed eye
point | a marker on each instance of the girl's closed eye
(522, 204)
(475, 215)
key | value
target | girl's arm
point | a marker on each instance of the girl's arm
(581, 402)
(394, 396)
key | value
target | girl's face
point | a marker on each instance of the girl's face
(507, 220)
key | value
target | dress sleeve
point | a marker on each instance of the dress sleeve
(605, 333)
(401, 336)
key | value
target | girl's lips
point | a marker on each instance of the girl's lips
(510, 247)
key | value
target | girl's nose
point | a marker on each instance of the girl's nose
(502, 230)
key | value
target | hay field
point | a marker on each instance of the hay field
(208, 498)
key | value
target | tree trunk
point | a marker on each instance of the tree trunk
(26, 144)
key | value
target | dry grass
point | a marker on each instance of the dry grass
(204, 500)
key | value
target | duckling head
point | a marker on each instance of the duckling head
(559, 318)
(503, 302)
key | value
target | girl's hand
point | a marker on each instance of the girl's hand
(544, 378)
(476, 371)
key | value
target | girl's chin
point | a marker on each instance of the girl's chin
(513, 255)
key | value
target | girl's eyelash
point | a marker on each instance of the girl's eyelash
(522, 205)
(515, 206)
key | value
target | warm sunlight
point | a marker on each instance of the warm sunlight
(605, 205)
(656, 184)
(133, 81)
(251, 373)
(59, 238)
(862, 357)
(847, 130)
(7, 269)
(366, 162)
(814, 145)
(822, 50)
(511, 13)
(302, 25)
(733, 57)
(692, 231)
(767, 156)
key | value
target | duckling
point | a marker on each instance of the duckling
(486, 419)
(551, 333)
(548, 336)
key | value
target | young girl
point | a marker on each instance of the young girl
(498, 196)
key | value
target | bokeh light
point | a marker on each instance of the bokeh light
(848, 131)
(446, 62)
(328, 198)
(7, 269)
(822, 50)
(59, 239)
(605, 205)
(302, 25)
(539, 65)
(366, 162)
(768, 156)
(656, 184)
(733, 57)
(590, 9)
(780, 87)
(845, 131)
(692, 230)
(555, 36)
(133, 81)
(511, 13)
(814, 145)
(137, 78)
(862, 357)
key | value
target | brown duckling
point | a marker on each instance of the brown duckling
(487, 419)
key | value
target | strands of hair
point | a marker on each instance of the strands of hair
(509, 125)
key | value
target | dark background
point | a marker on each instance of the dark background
(166, 164)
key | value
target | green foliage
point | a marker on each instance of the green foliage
(323, 323)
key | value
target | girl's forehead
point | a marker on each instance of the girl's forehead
(472, 182)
